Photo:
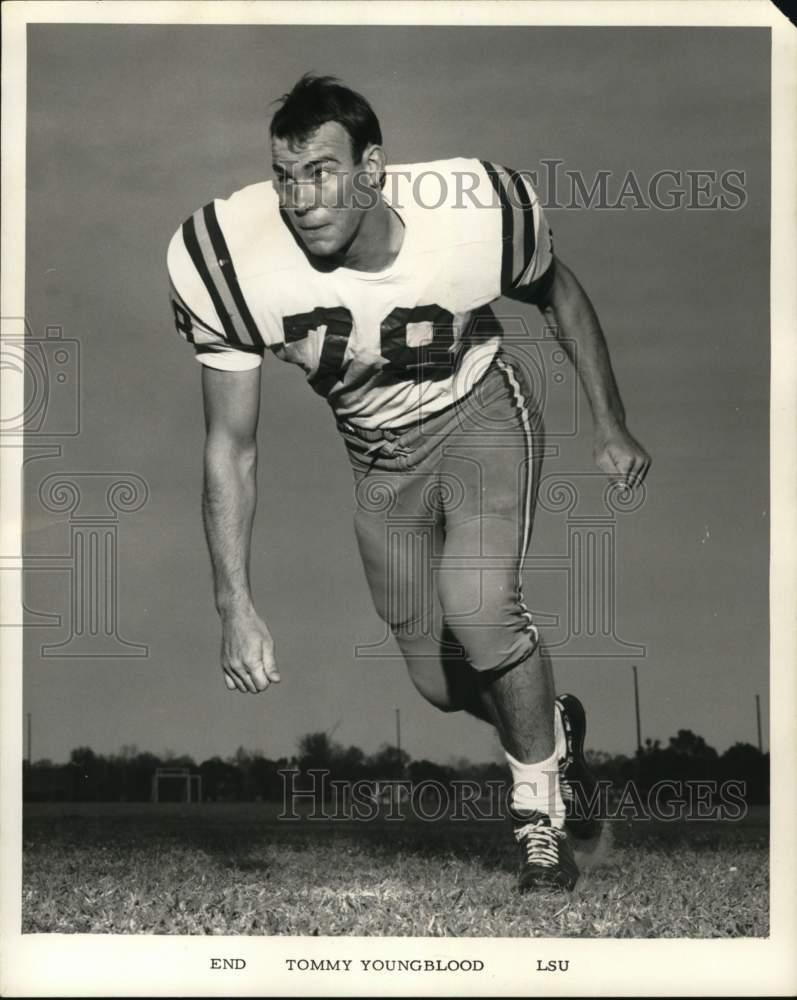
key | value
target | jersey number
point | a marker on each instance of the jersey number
(430, 360)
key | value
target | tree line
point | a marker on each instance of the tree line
(250, 777)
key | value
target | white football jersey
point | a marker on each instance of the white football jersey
(384, 347)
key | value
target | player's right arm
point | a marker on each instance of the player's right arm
(210, 315)
(229, 496)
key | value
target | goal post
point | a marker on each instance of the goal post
(191, 783)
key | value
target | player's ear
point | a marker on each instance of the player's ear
(373, 161)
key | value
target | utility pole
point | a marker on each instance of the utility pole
(636, 706)
(758, 720)
(398, 730)
(30, 759)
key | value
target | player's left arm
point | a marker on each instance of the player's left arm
(568, 310)
(530, 272)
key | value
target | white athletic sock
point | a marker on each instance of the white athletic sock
(559, 734)
(536, 787)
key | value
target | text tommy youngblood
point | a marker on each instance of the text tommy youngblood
(385, 965)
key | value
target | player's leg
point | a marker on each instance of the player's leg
(405, 547)
(510, 671)
(481, 479)
(399, 531)
(492, 467)
(497, 460)
(515, 699)
(398, 524)
(520, 701)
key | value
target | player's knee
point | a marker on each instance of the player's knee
(495, 645)
(492, 625)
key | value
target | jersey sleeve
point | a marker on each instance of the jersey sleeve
(207, 303)
(526, 237)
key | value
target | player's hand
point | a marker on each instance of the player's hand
(247, 653)
(620, 456)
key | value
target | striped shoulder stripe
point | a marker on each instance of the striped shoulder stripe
(507, 223)
(227, 268)
(192, 245)
(517, 222)
(208, 250)
(527, 211)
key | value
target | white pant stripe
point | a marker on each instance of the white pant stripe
(522, 408)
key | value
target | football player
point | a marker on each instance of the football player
(378, 282)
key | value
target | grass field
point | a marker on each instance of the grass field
(236, 869)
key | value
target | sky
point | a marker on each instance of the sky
(130, 128)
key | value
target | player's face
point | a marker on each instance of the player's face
(323, 190)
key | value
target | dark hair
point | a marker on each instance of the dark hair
(315, 100)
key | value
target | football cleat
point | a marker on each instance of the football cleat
(548, 861)
(576, 782)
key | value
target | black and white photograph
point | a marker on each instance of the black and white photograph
(465, 635)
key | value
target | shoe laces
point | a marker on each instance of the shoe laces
(541, 843)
